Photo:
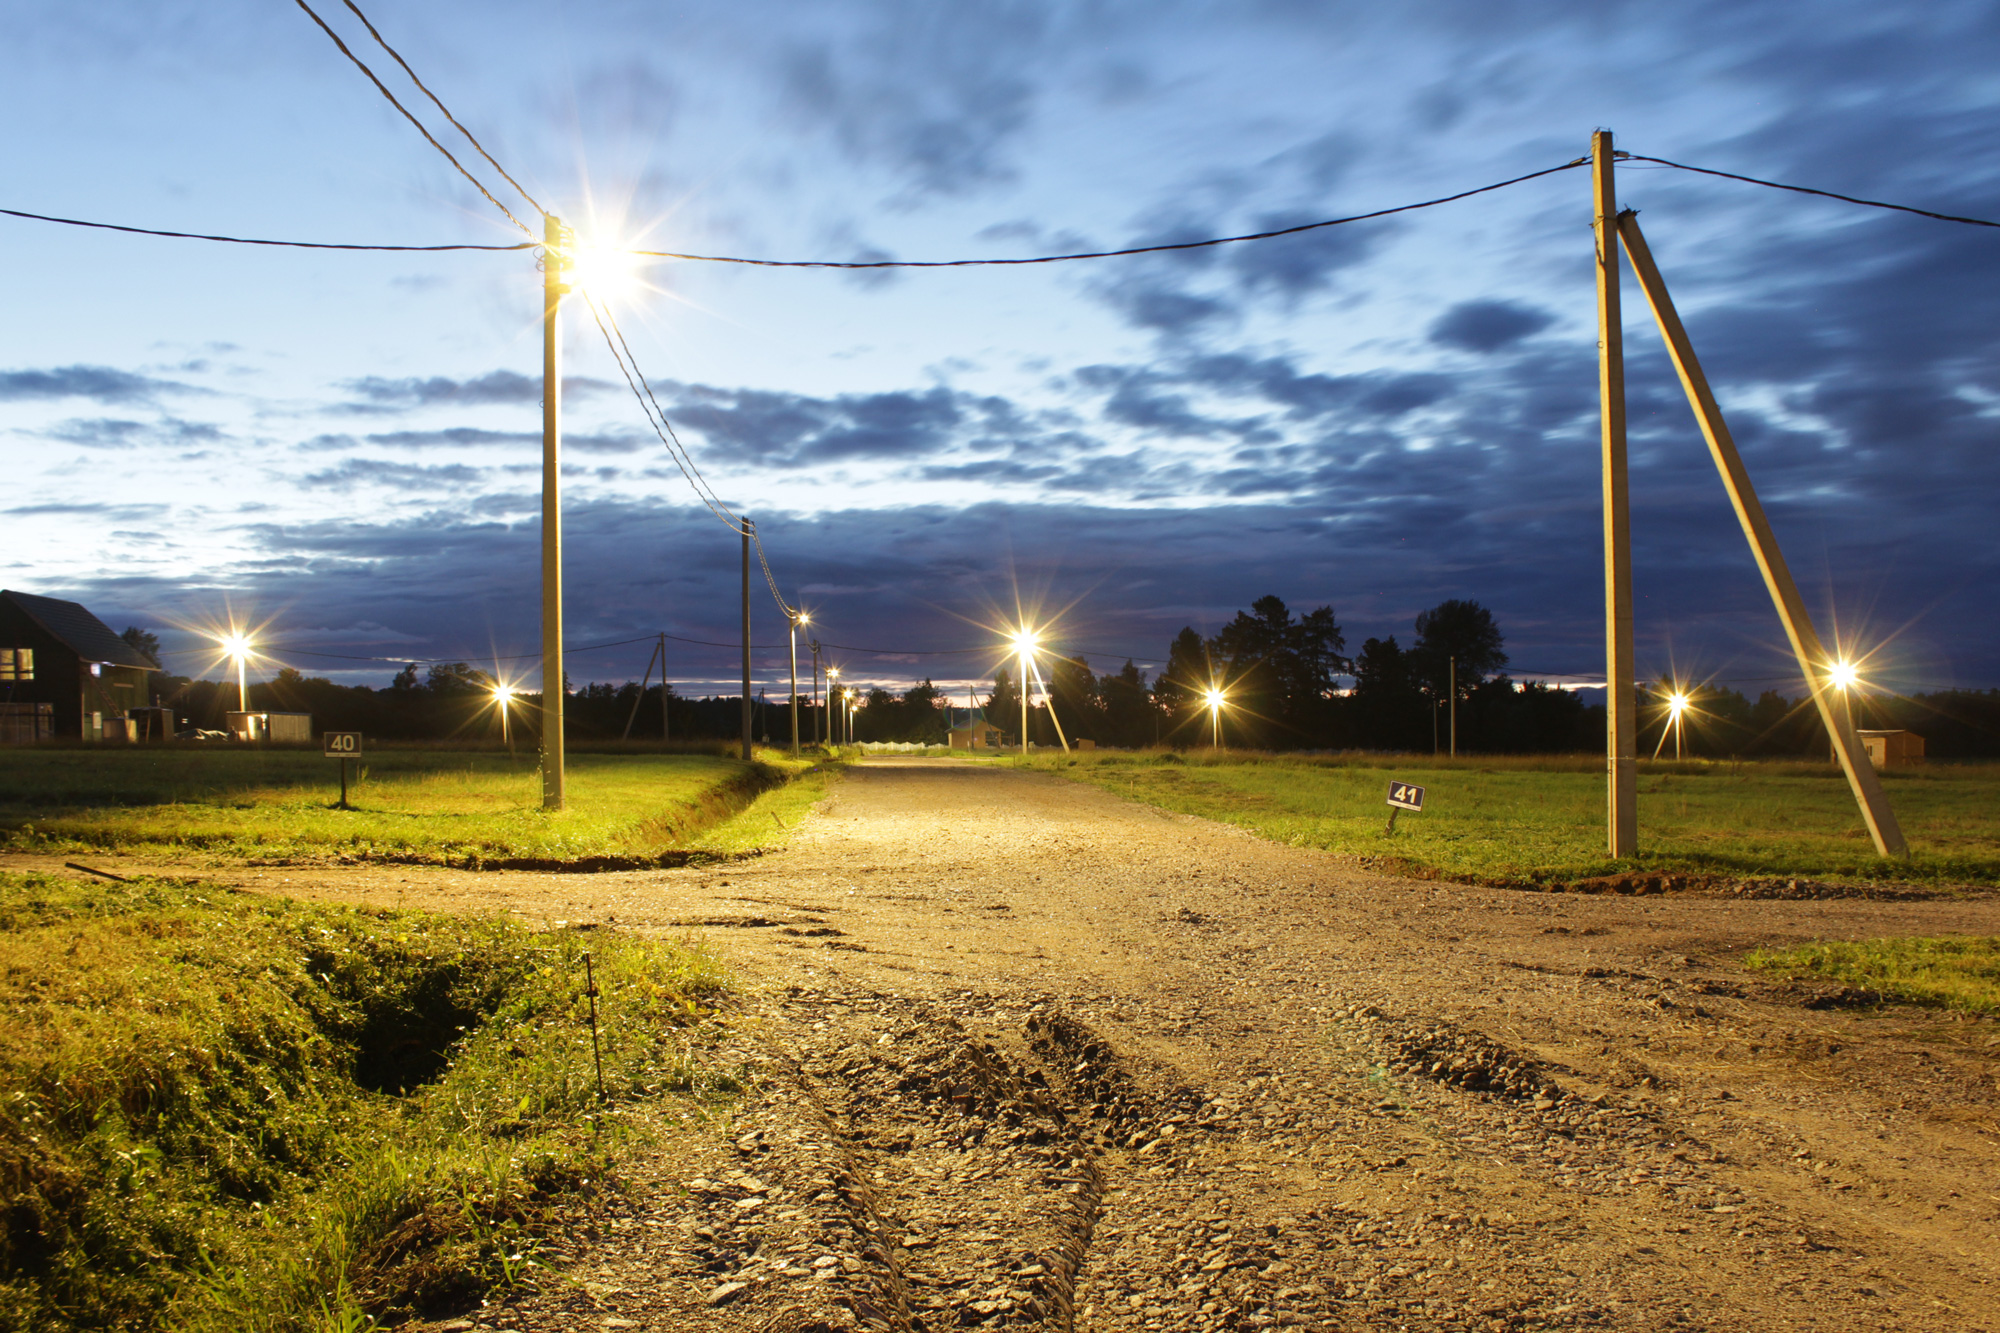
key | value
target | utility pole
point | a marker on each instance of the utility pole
(747, 528)
(795, 685)
(818, 717)
(1453, 686)
(1621, 705)
(664, 737)
(552, 626)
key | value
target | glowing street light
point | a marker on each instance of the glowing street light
(1215, 699)
(1025, 641)
(1843, 675)
(847, 720)
(834, 734)
(503, 699)
(798, 618)
(237, 647)
(1677, 704)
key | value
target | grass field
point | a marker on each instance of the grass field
(1542, 819)
(231, 1112)
(1955, 972)
(411, 804)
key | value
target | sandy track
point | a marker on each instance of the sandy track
(1033, 1056)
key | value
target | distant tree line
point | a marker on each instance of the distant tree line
(1280, 672)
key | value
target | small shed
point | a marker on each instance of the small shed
(1893, 749)
(277, 728)
(56, 653)
(978, 734)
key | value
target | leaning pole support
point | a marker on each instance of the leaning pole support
(1813, 661)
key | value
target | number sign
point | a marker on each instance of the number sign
(341, 744)
(1404, 796)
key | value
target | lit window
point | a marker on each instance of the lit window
(17, 663)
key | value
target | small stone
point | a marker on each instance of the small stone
(727, 1292)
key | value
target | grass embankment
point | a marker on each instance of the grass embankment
(462, 807)
(1960, 972)
(1542, 819)
(224, 1111)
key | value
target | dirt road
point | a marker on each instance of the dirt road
(1030, 1056)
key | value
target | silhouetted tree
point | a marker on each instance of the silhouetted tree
(1280, 672)
(1462, 631)
(145, 642)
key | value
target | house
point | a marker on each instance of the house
(1893, 749)
(55, 653)
(976, 734)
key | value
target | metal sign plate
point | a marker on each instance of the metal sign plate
(341, 744)
(1405, 796)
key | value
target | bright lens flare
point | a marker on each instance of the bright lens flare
(1677, 704)
(1025, 641)
(606, 272)
(235, 645)
(1216, 698)
(1843, 675)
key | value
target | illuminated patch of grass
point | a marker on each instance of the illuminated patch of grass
(1535, 819)
(1957, 972)
(771, 819)
(224, 1111)
(276, 806)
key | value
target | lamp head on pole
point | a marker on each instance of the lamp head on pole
(1843, 675)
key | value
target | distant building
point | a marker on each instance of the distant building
(57, 654)
(976, 734)
(1893, 749)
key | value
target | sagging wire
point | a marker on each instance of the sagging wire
(442, 108)
(428, 136)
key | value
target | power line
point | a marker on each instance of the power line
(248, 240)
(1806, 189)
(442, 108)
(1112, 254)
(428, 137)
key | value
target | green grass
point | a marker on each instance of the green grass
(1957, 972)
(223, 1111)
(1542, 819)
(277, 806)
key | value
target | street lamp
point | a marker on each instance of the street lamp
(847, 718)
(1215, 698)
(835, 735)
(1677, 704)
(798, 618)
(237, 647)
(1843, 675)
(1024, 645)
(503, 698)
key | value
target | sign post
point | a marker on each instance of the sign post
(342, 745)
(1402, 796)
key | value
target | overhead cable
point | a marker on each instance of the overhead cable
(428, 136)
(250, 240)
(1112, 254)
(442, 108)
(1806, 189)
(661, 426)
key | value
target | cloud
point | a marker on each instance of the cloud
(1487, 326)
(104, 384)
(376, 394)
(116, 433)
(397, 476)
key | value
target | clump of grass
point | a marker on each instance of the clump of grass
(223, 1111)
(1956, 972)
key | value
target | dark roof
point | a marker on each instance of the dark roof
(78, 630)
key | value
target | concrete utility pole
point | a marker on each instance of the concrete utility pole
(747, 528)
(795, 683)
(1621, 705)
(1453, 686)
(552, 626)
(1821, 672)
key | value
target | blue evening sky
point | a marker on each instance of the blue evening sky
(1374, 417)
